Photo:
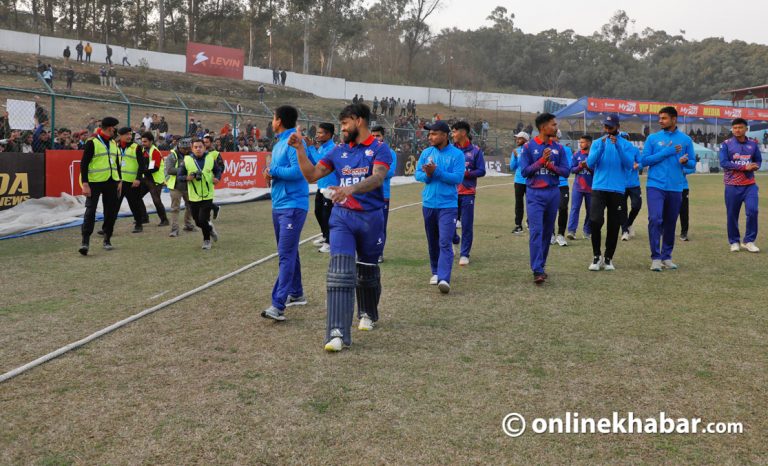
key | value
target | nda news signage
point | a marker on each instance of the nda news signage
(213, 60)
(22, 177)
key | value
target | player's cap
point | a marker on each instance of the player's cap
(524, 135)
(439, 125)
(612, 120)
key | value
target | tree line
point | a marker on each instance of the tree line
(391, 41)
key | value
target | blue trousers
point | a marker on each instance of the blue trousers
(440, 225)
(735, 196)
(663, 210)
(467, 217)
(357, 233)
(542, 205)
(573, 219)
(288, 224)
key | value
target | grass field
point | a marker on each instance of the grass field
(207, 380)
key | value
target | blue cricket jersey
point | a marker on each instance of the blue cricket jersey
(354, 163)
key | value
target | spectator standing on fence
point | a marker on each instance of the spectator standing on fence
(67, 54)
(112, 77)
(103, 75)
(88, 52)
(153, 175)
(79, 50)
(283, 76)
(109, 55)
(125, 57)
(192, 129)
(275, 76)
(100, 175)
(261, 92)
(70, 77)
(375, 105)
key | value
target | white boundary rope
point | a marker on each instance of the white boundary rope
(77, 344)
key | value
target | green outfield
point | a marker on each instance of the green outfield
(208, 381)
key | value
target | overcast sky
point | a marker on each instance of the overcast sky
(699, 19)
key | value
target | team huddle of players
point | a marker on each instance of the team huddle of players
(352, 177)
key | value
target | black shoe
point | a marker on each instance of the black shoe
(163, 223)
(108, 245)
(83, 249)
(145, 220)
(684, 236)
(189, 228)
(216, 210)
(518, 230)
(100, 232)
(137, 228)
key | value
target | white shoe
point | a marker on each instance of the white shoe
(458, 224)
(625, 236)
(463, 260)
(325, 248)
(735, 247)
(751, 247)
(571, 235)
(444, 287)
(273, 313)
(319, 241)
(608, 265)
(335, 345)
(207, 244)
(597, 262)
(668, 264)
(433, 280)
(552, 239)
(365, 323)
(561, 240)
(656, 265)
(631, 231)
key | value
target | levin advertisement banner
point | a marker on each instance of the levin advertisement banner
(213, 60)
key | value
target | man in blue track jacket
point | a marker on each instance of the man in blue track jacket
(609, 159)
(441, 169)
(666, 154)
(290, 203)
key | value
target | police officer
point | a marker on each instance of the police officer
(130, 167)
(100, 174)
(178, 186)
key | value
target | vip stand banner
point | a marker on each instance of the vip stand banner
(22, 177)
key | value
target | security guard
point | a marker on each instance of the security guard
(154, 175)
(209, 147)
(202, 173)
(178, 186)
(100, 174)
(130, 167)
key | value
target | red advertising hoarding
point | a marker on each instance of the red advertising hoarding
(213, 60)
(638, 107)
(243, 170)
(62, 172)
